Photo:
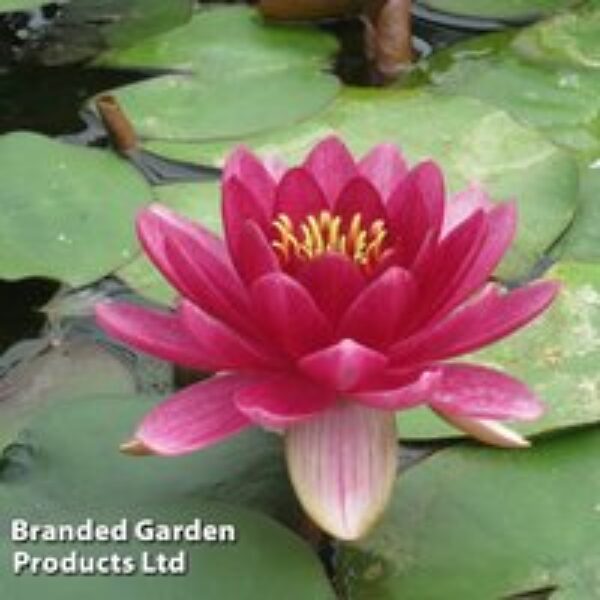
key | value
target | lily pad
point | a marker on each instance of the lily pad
(227, 42)
(564, 102)
(13, 5)
(582, 240)
(200, 202)
(67, 211)
(266, 561)
(78, 441)
(475, 523)
(75, 472)
(194, 109)
(264, 77)
(499, 9)
(563, 353)
(70, 370)
(473, 141)
(85, 28)
(571, 39)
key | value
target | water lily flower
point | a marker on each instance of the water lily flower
(338, 295)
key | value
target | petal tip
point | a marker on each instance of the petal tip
(135, 447)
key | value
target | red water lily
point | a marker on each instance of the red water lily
(339, 291)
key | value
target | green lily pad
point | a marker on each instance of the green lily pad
(12, 5)
(69, 370)
(582, 240)
(193, 109)
(67, 210)
(474, 142)
(499, 9)
(85, 28)
(266, 561)
(475, 523)
(76, 473)
(200, 202)
(78, 441)
(227, 42)
(571, 39)
(564, 103)
(563, 353)
(229, 89)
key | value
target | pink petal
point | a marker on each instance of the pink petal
(502, 224)
(385, 167)
(342, 464)
(157, 223)
(332, 166)
(197, 416)
(239, 206)
(428, 182)
(223, 297)
(487, 320)
(333, 281)
(416, 207)
(289, 313)
(344, 365)
(410, 393)
(276, 401)
(226, 347)
(378, 312)
(256, 176)
(408, 219)
(455, 256)
(193, 259)
(275, 166)
(486, 431)
(462, 205)
(254, 256)
(359, 196)
(158, 333)
(482, 393)
(299, 196)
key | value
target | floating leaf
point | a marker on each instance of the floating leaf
(250, 46)
(67, 211)
(13, 5)
(499, 9)
(571, 39)
(263, 77)
(75, 473)
(83, 29)
(188, 108)
(582, 240)
(473, 141)
(563, 102)
(475, 523)
(67, 371)
(78, 441)
(557, 356)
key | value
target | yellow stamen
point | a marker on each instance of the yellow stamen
(317, 235)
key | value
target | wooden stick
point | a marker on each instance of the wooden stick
(119, 128)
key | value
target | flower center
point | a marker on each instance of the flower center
(317, 235)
